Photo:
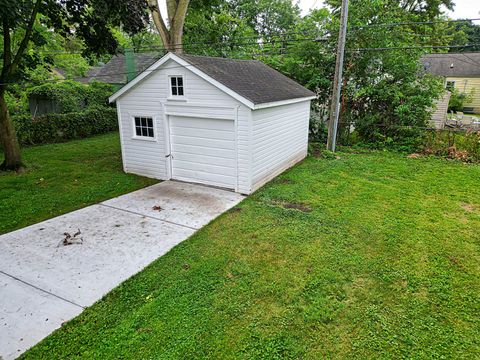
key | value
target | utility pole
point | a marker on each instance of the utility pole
(337, 80)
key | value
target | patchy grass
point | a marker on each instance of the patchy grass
(64, 177)
(385, 264)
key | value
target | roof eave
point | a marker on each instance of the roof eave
(283, 102)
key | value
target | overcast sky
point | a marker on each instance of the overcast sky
(463, 9)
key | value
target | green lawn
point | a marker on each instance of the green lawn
(64, 177)
(372, 255)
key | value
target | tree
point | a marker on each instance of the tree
(90, 20)
(172, 36)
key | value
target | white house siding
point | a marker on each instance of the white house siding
(439, 116)
(203, 100)
(279, 140)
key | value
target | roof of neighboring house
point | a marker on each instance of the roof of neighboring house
(114, 71)
(249, 81)
(453, 64)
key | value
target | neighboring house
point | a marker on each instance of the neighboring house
(115, 71)
(461, 71)
(230, 123)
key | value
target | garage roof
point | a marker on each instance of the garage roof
(250, 78)
(249, 81)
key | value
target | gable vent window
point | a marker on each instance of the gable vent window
(176, 83)
(144, 127)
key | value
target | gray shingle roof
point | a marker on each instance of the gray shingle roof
(251, 79)
(453, 64)
(113, 72)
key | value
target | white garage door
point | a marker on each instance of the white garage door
(203, 150)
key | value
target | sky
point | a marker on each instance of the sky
(463, 9)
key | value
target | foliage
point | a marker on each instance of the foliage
(384, 265)
(458, 100)
(466, 33)
(464, 146)
(62, 178)
(61, 127)
(72, 96)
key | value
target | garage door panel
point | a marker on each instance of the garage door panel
(203, 150)
(203, 133)
(205, 178)
(204, 142)
(200, 150)
(204, 159)
(194, 166)
(202, 123)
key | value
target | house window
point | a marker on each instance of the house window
(450, 85)
(176, 85)
(144, 127)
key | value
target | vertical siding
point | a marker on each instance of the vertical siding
(150, 98)
(439, 116)
(279, 139)
(469, 85)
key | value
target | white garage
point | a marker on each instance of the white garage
(234, 124)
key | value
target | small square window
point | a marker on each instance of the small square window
(144, 126)
(450, 85)
(176, 86)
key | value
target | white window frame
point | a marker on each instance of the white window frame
(142, 137)
(176, 97)
(450, 81)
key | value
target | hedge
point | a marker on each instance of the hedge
(73, 96)
(52, 128)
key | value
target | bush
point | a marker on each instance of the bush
(464, 146)
(61, 127)
(72, 96)
(458, 100)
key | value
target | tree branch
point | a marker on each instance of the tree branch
(7, 50)
(26, 38)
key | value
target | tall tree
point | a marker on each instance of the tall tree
(172, 35)
(90, 20)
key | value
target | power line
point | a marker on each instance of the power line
(359, 27)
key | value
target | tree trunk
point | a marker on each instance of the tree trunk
(8, 139)
(172, 36)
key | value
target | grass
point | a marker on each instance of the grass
(64, 177)
(371, 255)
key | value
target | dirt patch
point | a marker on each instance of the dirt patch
(296, 206)
(414, 156)
(468, 207)
(285, 181)
(235, 210)
(157, 208)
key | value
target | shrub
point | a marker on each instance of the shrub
(464, 146)
(61, 127)
(72, 96)
(458, 100)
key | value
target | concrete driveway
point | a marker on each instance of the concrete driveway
(51, 271)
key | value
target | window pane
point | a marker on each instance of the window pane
(138, 131)
(174, 90)
(180, 81)
(180, 91)
(150, 122)
(137, 121)
(173, 81)
(144, 131)
(144, 122)
(150, 132)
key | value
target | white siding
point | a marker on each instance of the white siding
(150, 98)
(439, 116)
(279, 140)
